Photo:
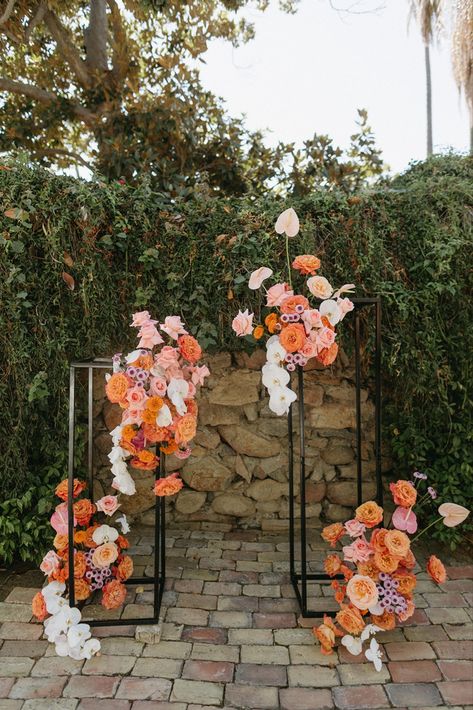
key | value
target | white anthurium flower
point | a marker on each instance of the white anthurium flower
(90, 648)
(274, 376)
(257, 277)
(124, 524)
(134, 355)
(331, 310)
(373, 654)
(346, 288)
(116, 434)
(275, 353)
(280, 400)
(164, 416)
(177, 391)
(78, 634)
(353, 644)
(287, 223)
(119, 468)
(117, 454)
(158, 371)
(369, 630)
(125, 484)
(104, 533)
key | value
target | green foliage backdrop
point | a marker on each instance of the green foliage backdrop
(125, 248)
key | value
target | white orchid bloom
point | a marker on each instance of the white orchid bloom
(158, 371)
(287, 223)
(60, 622)
(90, 648)
(52, 595)
(353, 644)
(274, 376)
(177, 392)
(62, 646)
(116, 434)
(104, 533)
(124, 483)
(134, 355)
(373, 654)
(281, 399)
(275, 353)
(119, 468)
(376, 610)
(331, 310)
(164, 416)
(124, 524)
(346, 288)
(369, 630)
(117, 454)
(78, 634)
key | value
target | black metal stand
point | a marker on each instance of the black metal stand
(159, 527)
(300, 580)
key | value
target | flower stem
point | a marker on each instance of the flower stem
(425, 529)
(288, 263)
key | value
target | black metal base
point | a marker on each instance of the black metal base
(299, 579)
(159, 577)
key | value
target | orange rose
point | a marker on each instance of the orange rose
(328, 355)
(350, 619)
(397, 543)
(362, 591)
(82, 590)
(122, 542)
(168, 486)
(271, 321)
(185, 428)
(406, 582)
(306, 264)
(409, 561)
(145, 460)
(369, 569)
(114, 594)
(117, 386)
(332, 565)
(326, 634)
(125, 568)
(189, 348)
(347, 572)
(436, 570)
(405, 615)
(386, 562)
(292, 337)
(38, 607)
(128, 432)
(147, 417)
(83, 511)
(369, 513)
(258, 332)
(80, 537)
(404, 493)
(61, 542)
(80, 565)
(105, 555)
(89, 542)
(332, 533)
(77, 488)
(61, 574)
(387, 621)
(169, 447)
(289, 304)
(377, 540)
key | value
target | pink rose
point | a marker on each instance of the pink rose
(345, 306)
(354, 528)
(405, 519)
(277, 293)
(309, 349)
(149, 336)
(157, 386)
(50, 563)
(142, 318)
(242, 324)
(174, 372)
(358, 551)
(167, 357)
(136, 396)
(324, 338)
(173, 326)
(312, 319)
(132, 415)
(59, 519)
(108, 504)
(199, 374)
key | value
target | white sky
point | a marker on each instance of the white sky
(309, 72)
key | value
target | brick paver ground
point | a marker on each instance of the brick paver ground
(232, 637)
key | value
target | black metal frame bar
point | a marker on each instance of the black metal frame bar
(300, 580)
(158, 580)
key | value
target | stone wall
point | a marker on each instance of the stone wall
(237, 474)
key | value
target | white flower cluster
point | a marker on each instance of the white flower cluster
(63, 627)
(354, 645)
(276, 378)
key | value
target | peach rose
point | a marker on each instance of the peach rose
(327, 356)
(83, 511)
(82, 590)
(326, 634)
(409, 561)
(108, 505)
(114, 594)
(386, 621)
(306, 264)
(292, 338)
(362, 591)
(289, 303)
(80, 565)
(50, 562)
(319, 287)
(185, 428)
(117, 387)
(332, 533)
(158, 386)
(145, 460)
(377, 540)
(125, 568)
(436, 570)
(105, 555)
(405, 615)
(369, 569)
(61, 542)
(168, 486)
(369, 513)
(397, 543)
(38, 607)
(332, 565)
(189, 348)
(242, 324)
(406, 582)
(136, 396)
(77, 488)
(386, 562)
(404, 493)
(350, 619)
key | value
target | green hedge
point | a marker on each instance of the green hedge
(128, 248)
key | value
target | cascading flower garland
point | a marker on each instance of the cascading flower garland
(377, 571)
(156, 388)
(296, 332)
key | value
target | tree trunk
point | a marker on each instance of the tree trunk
(95, 36)
(428, 79)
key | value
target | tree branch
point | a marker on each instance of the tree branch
(121, 59)
(67, 48)
(7, 12)
(95, 36)
(46, 97)
(50, 152)
(36, 19)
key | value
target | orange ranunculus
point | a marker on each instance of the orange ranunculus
(148, 416)
(340, 594)
(83, 511)
(332, 565)
(89, 541)
(38, 607)
(192, 407)
(289, 304)
(114, 594)
(145, 460)
(122, 542)
(77, 488)
(125, 568)
(169, 447)
(326, 634)
(386, 621)
(82, 590)
(80, 565)
(386, 562)
(404, 493)
(154, 433)
(406, 582)
(377, 540)
(362, 591)
(258, 332)
(168, 486)
(397, 543)
(61, 542)
(293, 337)
(328, 355)
(271, 321)
(347, 572)
(369, 513)
(117, 386)
(154, 404)
(80, 537)
(61, 574)
(409, 561)
(332, 533)
(350, 619)
(369, 569)
(128, 432)
(185, 428)
(189, 348)
(306, 264)
(105, 555)
(436, 570)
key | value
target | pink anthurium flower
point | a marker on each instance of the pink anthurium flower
(258, 276)
(405, 519)
(59, 520)
(453, 514)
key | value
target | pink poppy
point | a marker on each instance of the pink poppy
(405, 519)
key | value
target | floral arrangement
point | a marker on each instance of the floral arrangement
(295, 331)
(376, 567)
(155, 386)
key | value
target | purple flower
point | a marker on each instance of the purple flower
(422, 476)
(432, 492)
